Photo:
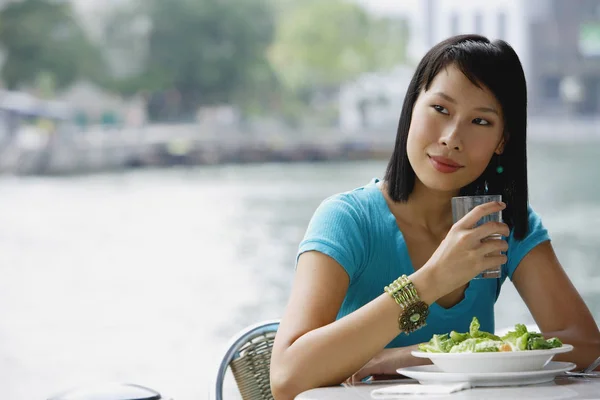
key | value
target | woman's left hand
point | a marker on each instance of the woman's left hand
(386, 363)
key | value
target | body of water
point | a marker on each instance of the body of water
(144, 276)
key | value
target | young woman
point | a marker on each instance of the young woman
(462, 131)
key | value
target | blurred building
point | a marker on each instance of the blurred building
(558, 42)
(431, 21)
(373, 100)
(565, 58)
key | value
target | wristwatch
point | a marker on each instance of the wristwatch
(414, 310)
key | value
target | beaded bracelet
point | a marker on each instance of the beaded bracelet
(414, 310)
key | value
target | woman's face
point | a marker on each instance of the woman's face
(455, 129)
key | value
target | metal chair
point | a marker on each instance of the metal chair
(249, 356)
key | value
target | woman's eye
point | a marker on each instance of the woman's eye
(480, 121)
(440, 109)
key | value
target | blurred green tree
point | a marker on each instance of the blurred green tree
(321, 44)
(203, 52)
(42, 41)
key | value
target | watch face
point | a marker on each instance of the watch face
(413, 317)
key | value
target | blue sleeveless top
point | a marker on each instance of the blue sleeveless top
(358, 230)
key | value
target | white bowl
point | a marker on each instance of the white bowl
(504, 361)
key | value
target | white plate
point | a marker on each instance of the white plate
(431, 374)
(503, 361)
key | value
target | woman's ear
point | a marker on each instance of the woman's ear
(500, 148)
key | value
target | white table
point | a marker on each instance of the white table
(562, 388)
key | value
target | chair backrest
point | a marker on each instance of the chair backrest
(249, 356)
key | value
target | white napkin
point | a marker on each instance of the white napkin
(392, 392)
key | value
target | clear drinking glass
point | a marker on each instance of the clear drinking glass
(462, 205)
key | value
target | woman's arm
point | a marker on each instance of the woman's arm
(312, 350)
(556, 306)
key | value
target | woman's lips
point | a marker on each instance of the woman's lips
(444, 165)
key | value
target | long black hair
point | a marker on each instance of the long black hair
(495, 66)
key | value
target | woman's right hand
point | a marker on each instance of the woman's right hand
(465, 252)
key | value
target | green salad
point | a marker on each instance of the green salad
(476, 341)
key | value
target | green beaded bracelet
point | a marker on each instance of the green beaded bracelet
(414, 310)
